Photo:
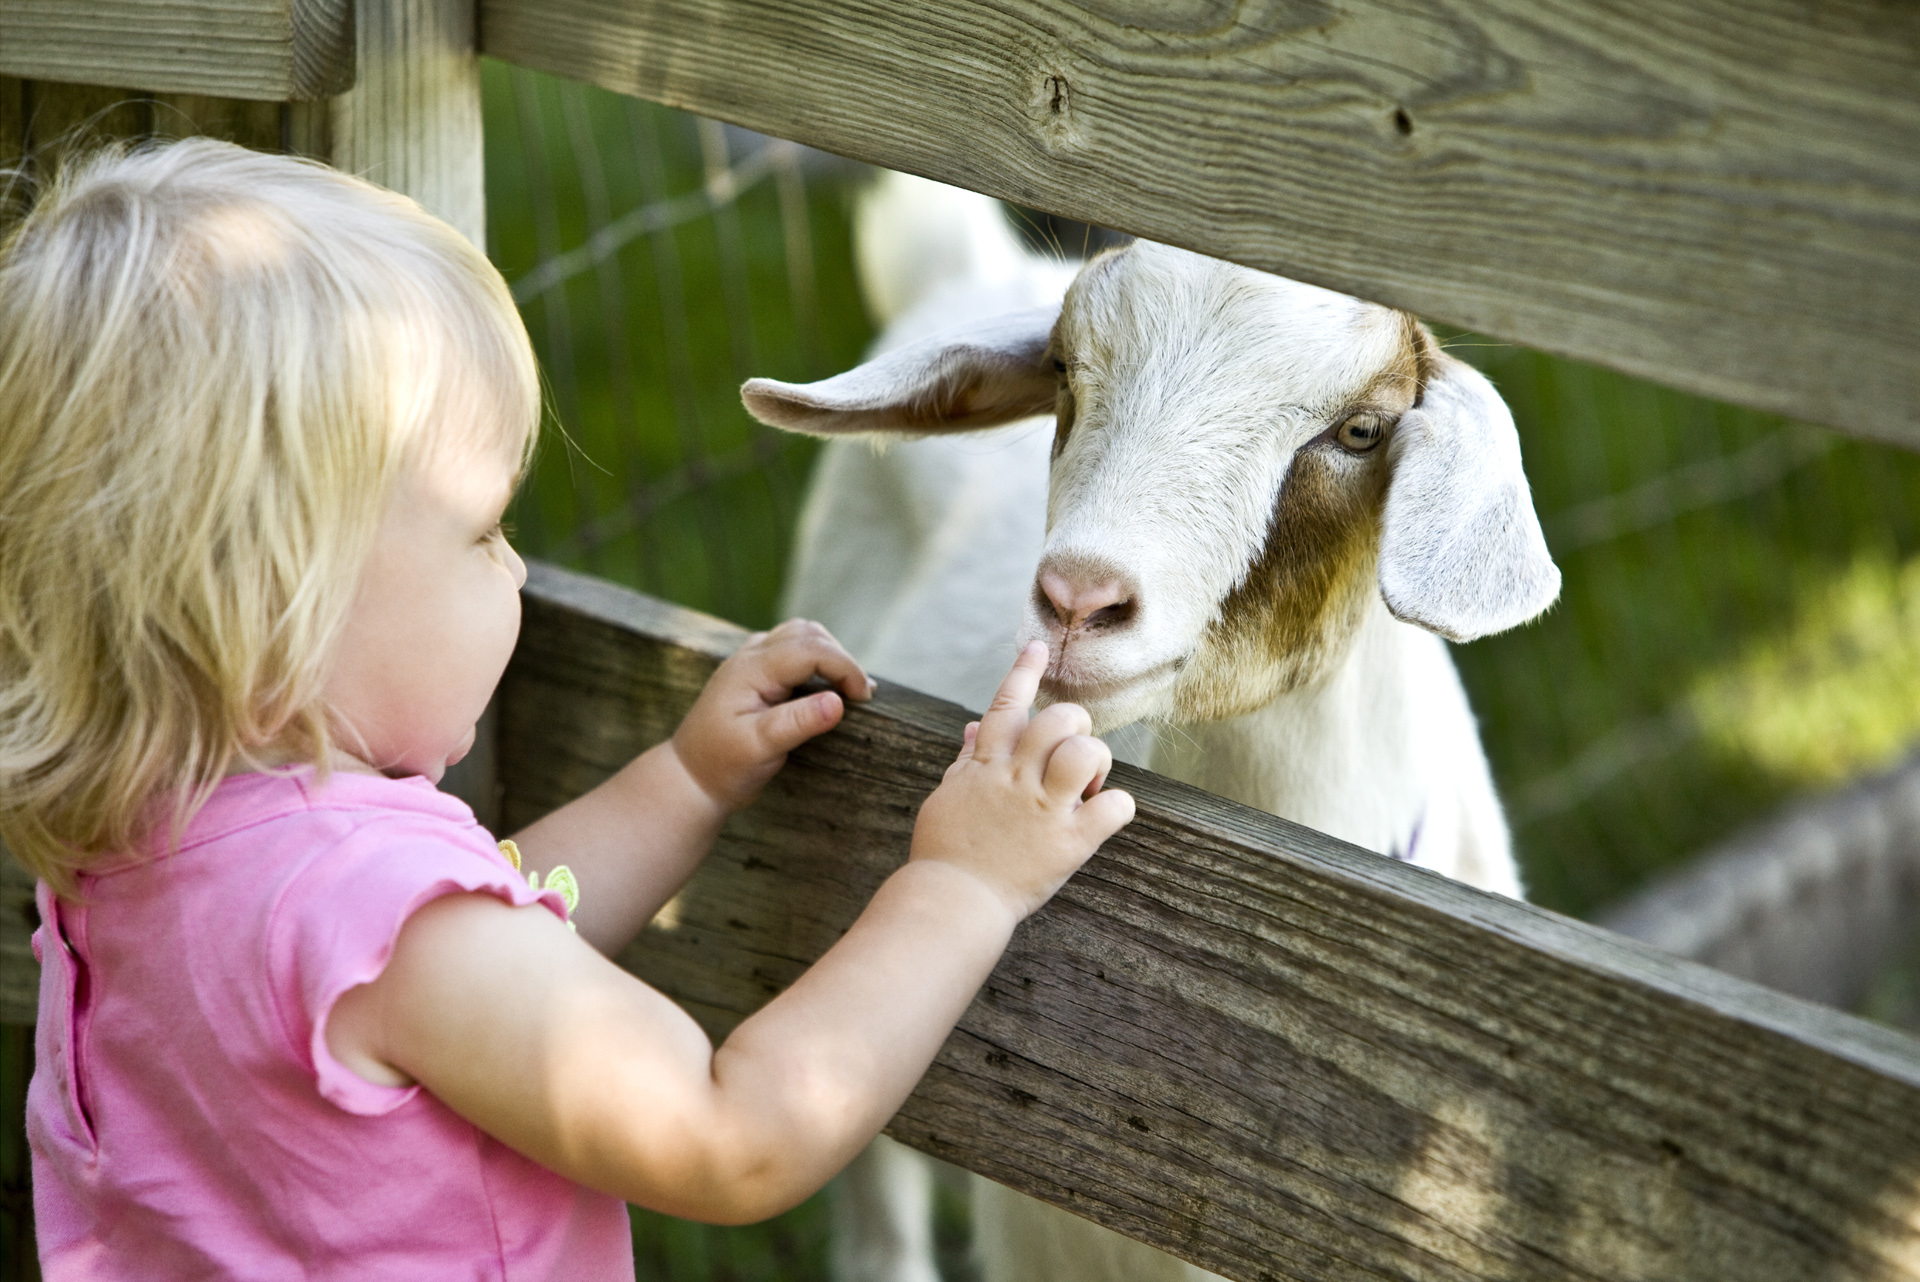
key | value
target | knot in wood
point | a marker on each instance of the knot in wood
(1050, 107)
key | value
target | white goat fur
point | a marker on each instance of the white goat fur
(1193, 390)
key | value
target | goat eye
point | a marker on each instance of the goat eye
(1361, 432)
(1059, 366)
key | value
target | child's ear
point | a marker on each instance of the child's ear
(993, 372)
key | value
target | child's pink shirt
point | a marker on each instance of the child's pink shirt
(186, 1117)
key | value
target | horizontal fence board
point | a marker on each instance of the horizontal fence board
(271, 50)
(1254, 1046)
(1720, 195)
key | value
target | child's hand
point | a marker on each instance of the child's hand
(1022, 808)
(740, 730)
(548, 1047)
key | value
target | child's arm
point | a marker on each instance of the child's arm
(550, 1048)
(634, 840)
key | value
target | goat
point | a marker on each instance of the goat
(1266, 505)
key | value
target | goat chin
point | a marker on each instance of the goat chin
(1115, 706)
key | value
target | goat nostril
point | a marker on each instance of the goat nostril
(1093, 606)
(1050, 593)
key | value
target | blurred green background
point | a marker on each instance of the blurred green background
(1740, 622)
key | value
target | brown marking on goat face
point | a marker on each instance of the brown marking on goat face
(1063, 415)
(1301, 602)
(1427, 355)
(1403, 377)
(1292, 617)
(1063, 352)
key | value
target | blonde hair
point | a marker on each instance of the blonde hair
(213, 366)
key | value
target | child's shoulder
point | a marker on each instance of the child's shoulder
(269, 836)
(350, 826)
(291, 802)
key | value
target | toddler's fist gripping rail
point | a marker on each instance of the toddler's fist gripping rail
(1263, 1050)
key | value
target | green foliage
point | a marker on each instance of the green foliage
(790, 1248)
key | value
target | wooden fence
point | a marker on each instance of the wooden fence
(1229, 1036)
(1259, 1048)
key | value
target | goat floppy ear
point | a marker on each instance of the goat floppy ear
(1461, 552)
(981, 375)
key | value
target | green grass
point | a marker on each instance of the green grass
(1737, 626)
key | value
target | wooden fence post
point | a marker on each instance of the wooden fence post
(412, 120)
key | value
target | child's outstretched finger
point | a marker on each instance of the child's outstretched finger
(967, 737)
(1076, 766)
(1006, 717)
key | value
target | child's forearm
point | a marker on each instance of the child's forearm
(819, 1070)
(631, 843)
(553, 1051)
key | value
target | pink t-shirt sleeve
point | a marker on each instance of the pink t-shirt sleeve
(335, 925)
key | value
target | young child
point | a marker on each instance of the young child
(299, 1016)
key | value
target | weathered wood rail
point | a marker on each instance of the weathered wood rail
(1721, 195)
(1261, 1049)
(273, 50)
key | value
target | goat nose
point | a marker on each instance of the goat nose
(1105, 603)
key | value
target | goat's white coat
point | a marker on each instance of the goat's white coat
(922, 558)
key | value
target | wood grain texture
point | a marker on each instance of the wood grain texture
(272, 50)
(1720, 195)
(412, 122)
(1265, 1051)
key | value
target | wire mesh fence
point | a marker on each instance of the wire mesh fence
(1740, 622)
(661, 260)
